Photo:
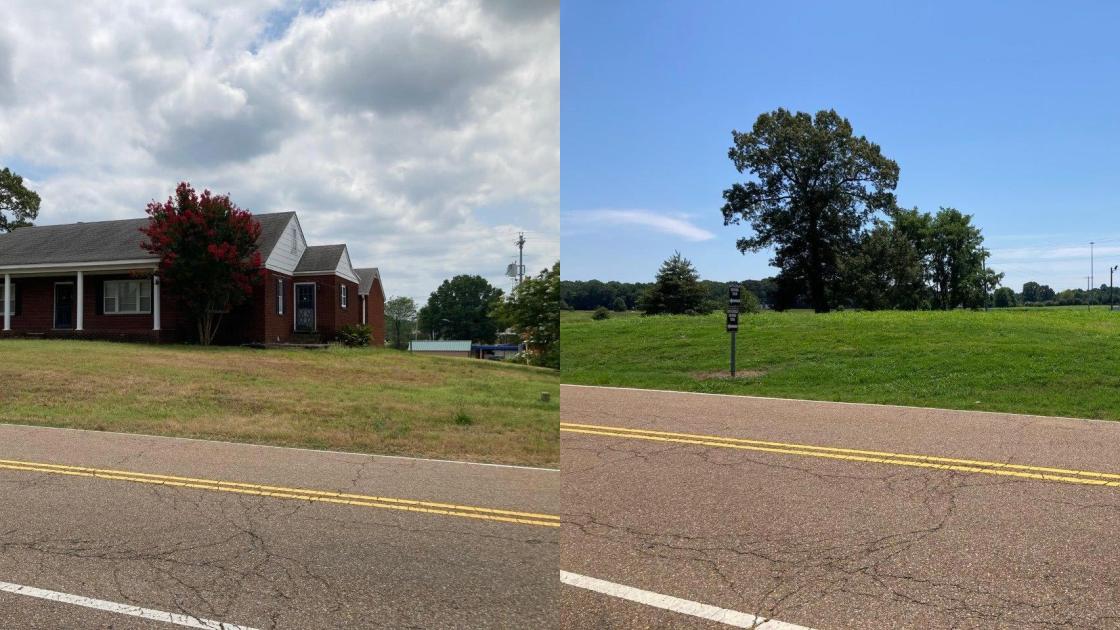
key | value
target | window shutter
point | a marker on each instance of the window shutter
(99, 297)
(18, 308)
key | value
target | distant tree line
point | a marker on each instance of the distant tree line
(1035, 294)
(588, 295)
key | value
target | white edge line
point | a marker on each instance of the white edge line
(675, 604)
(285, 448)
(838, 402)
(120, 609)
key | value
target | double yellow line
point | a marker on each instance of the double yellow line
(301, 494)
(1042, 473)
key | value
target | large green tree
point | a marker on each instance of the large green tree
(400, 317)
(889, 268)
(958, 261)
(816, 186)
(677, 290)
(461, 309)
(19, 205)
(533, 310)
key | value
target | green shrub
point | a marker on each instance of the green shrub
(601, 313)
(354, 335)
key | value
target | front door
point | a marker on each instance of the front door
(64, 306)
(305, 308)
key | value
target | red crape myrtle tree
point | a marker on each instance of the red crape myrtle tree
(208, 253)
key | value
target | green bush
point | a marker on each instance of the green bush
(601, 313)
(354, 335)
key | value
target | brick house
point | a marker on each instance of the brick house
(93, 280)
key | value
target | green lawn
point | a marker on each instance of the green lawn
(365, 400)
(1044, 361)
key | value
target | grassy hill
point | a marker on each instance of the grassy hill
(1043, 361)
(366, 400)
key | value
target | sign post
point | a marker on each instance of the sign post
(734, 300)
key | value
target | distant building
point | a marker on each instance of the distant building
(495, 352)
(441, 348)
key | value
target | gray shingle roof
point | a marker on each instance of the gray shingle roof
(320, 258)
(74, 242)
(102, 241)
(366, 275)
(272, 228)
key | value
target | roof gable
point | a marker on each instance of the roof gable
(366, 277)
(287, 244)
(273, 226)
(324, 259)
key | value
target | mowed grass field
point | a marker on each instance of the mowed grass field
(363, 400)
(1042, 361)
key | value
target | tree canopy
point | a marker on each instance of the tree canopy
(958, 257)
(533, 310)
(19, 205)
(208, 253)
(816, 185)
(461, 309)
(400, 317)
(676, 290)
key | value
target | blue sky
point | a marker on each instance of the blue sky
(1006, 111)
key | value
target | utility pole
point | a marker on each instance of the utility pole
(1088, 285)
(520, 257)
(1111, 290)
(1092, 271)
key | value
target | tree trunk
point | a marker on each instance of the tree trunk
(208, 327)
(817, 294)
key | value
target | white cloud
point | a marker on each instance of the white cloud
(387, 125)
(666, 224)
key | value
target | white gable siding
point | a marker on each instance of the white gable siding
(345, 269)
(289, 249)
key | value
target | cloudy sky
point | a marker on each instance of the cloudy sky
(423, 134)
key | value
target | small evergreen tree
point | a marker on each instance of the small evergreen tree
(676, 291)
(619, 305)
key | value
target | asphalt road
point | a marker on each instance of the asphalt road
(415, 543)
(831, 515)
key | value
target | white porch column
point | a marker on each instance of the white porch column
(7, 301)
(81, 301)
(155, 303)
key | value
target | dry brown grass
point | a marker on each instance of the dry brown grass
(370, 400)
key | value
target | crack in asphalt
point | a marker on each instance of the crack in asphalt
(801, 568)
(231, 557)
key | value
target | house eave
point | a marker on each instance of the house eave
(93, 266)
(325, 272)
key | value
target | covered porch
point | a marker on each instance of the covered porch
(94, 300)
